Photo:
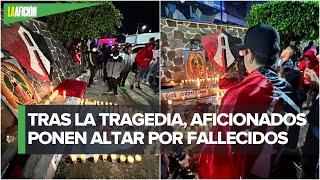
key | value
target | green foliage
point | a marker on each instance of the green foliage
(95, 21)
(295, 20)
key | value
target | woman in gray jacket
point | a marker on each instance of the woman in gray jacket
(114, 67)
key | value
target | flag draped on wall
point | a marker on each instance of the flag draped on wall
(221, 49)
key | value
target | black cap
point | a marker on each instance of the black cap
(262, 38)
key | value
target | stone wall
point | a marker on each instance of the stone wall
(175, 38)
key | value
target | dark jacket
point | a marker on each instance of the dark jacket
(95, 58)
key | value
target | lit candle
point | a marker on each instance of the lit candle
(198, 83)
(123, 158)
(104, 157)
(198, 96)
(138, 158)
(51, 88)
(47, 102)
(83, 158)
(181, 85)
(183, 98)
(172, 82)
(96, 157)
(74, 158)
(130, 159)
(169, 102)
(64, 94)
(54, 95)
(182, 81)
(114, 157)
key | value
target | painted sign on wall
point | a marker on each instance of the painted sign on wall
(195, 64)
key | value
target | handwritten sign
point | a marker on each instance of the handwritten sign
(186, 94)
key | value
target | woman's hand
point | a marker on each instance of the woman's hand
(311, 75)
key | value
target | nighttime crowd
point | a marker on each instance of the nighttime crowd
(113, 64)
(272, 79)
(275, 80)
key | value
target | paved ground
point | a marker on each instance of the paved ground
(148, 168)
(146, 96)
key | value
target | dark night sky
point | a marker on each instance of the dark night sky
(134, 12)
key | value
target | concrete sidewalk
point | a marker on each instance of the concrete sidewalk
(145, 96)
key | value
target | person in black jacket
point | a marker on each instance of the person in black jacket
(297, 52)
(93, 60)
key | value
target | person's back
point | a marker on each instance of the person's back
(262, 91)
(254, 94)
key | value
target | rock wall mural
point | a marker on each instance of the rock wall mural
(59, 60)
(180, 36)
(43, 62)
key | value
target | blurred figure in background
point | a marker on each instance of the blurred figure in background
(308, 47)
(297, 52)
(93, 59)
(154, 64)
(128, 61)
